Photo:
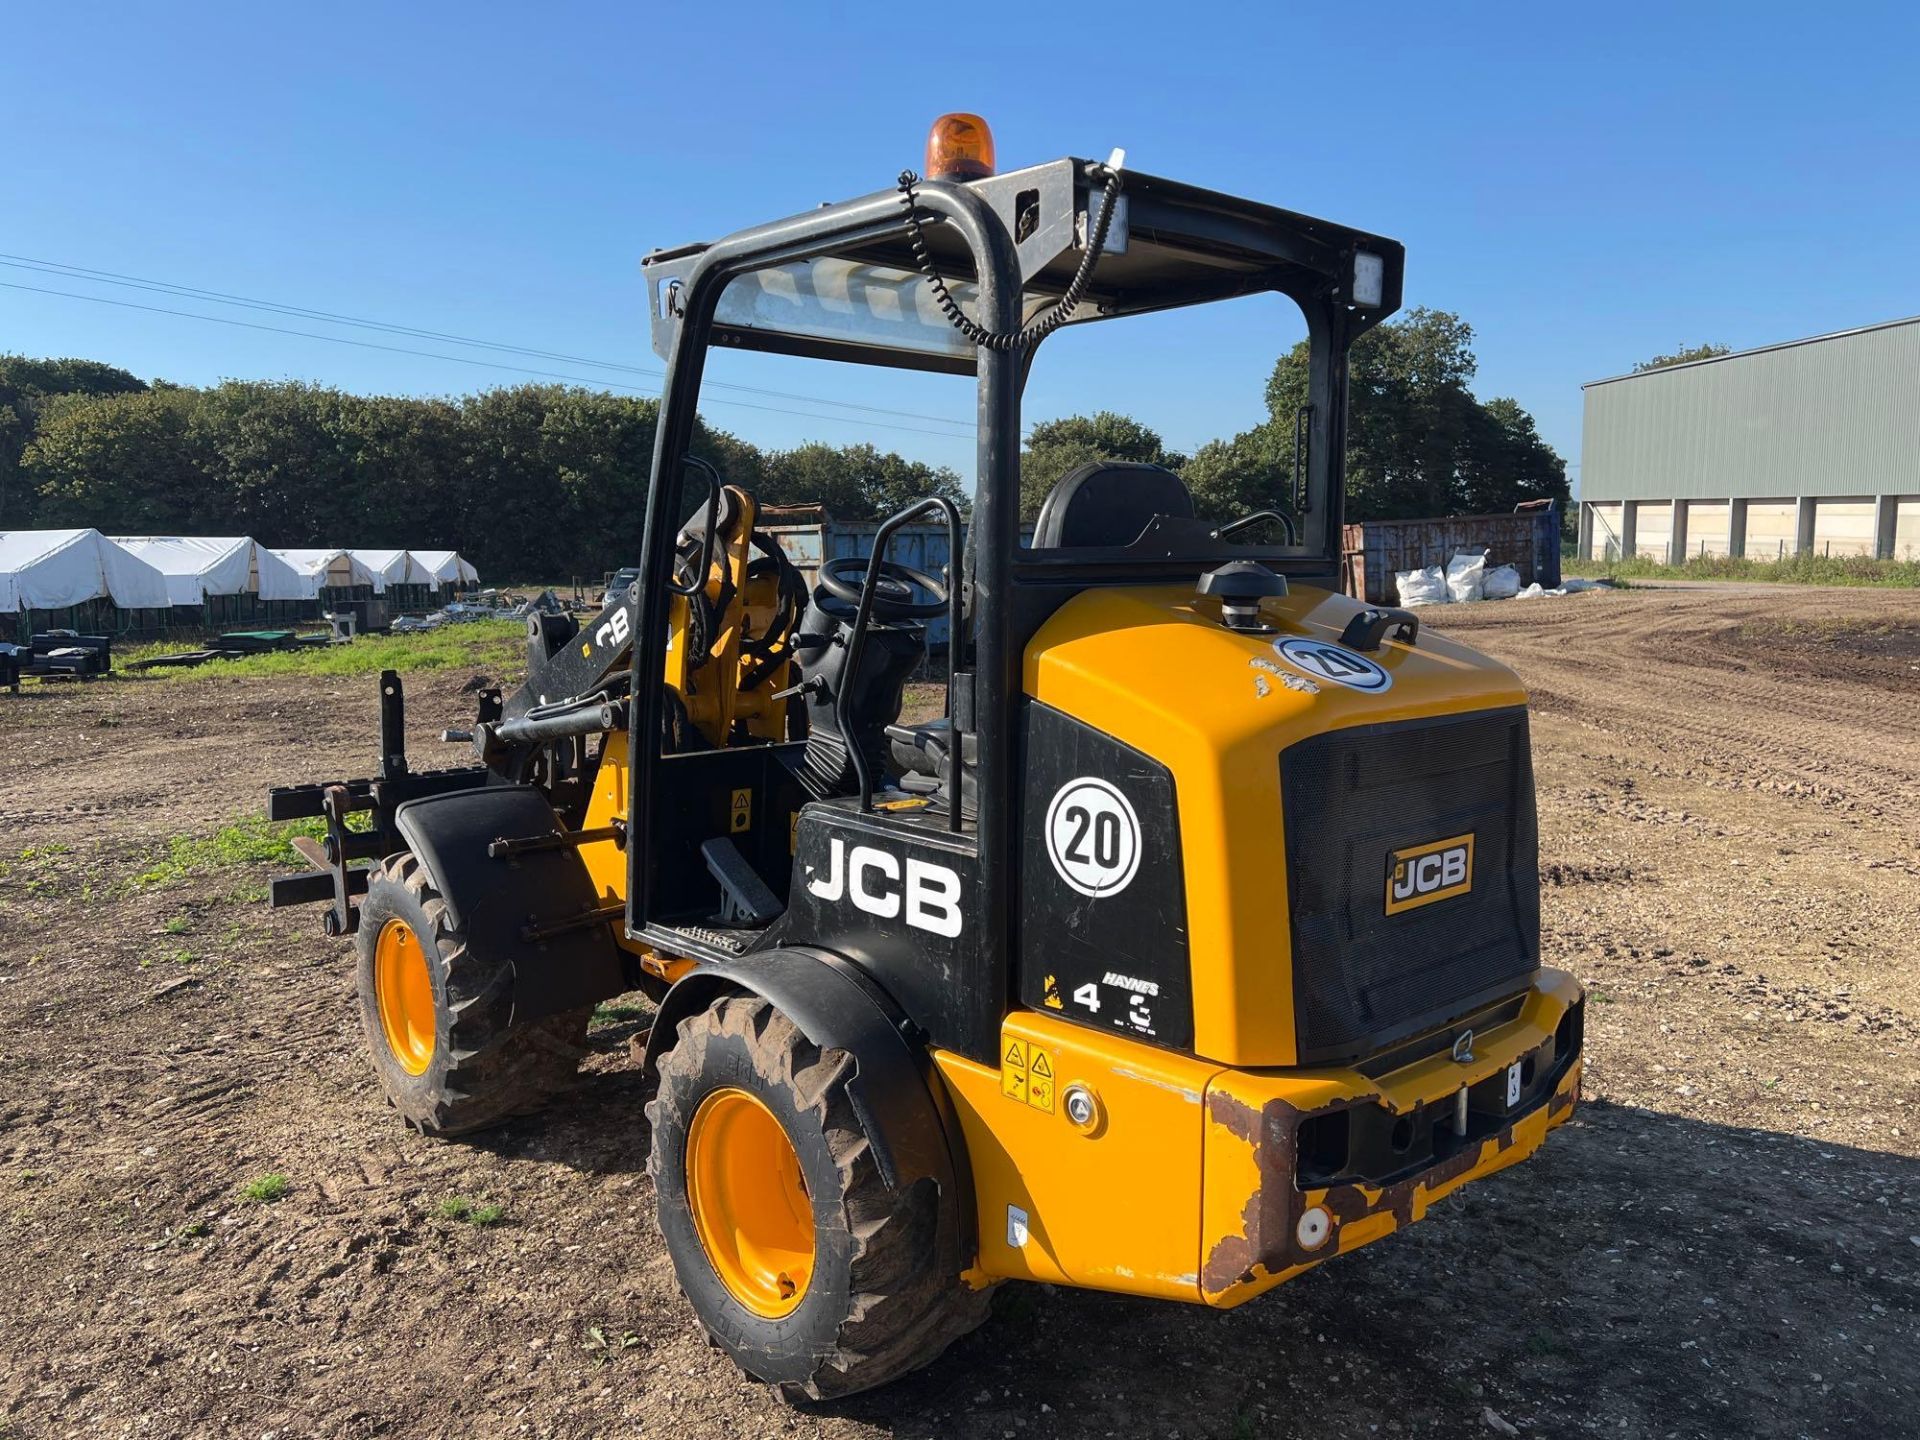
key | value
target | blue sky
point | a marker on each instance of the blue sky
(1587, 185)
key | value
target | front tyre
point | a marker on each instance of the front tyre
(800, 1262)
(439, 1021)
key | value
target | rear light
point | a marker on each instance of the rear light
(1314, 1227)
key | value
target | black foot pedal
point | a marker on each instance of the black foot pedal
(744, 896)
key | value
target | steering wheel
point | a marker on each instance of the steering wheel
(845, 578)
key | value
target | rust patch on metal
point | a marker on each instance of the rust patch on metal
(1347, 1203)
(1267, 1239)
(1270, 1130)
(1561, 1105)
(1271, 1212)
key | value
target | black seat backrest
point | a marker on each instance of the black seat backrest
(1108, 502)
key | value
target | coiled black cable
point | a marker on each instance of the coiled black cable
(1028, 335)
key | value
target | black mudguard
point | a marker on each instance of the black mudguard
(903, 1109)
(497, 902)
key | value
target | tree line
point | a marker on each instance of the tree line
(550, 480)
(526, 481)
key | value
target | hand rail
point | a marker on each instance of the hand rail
(857, 639)
(705, 571)
(1234, 527)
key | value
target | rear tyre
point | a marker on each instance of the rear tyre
(438, 1020)
(800, 1262)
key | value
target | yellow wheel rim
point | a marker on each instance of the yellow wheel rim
(403, 988)
(749, 1202)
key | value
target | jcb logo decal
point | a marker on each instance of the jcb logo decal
(614, 631)
(1422, 874)
(929, 894)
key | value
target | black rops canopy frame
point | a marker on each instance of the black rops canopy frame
(1008, 246)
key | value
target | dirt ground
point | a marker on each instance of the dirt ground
(1726, 1242)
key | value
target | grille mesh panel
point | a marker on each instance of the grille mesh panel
(1363, 978)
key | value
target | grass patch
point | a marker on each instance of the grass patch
(617, 1012)
(266, 1189)
(45, 852)
(178, 925)
(252, 840)
(474, 1212)
(1807, 569)
(491, 645)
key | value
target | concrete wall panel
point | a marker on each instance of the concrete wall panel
(1604, 526)
(1771, 529)
(1906, 530)
(1707, 527)
(1653, 529)
(1844, 527)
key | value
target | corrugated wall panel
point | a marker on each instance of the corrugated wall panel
(1834, 416)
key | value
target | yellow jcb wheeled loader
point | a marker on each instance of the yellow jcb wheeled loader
(1196, 944)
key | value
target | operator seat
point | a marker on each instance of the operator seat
(1108, 503)
(1103, 502)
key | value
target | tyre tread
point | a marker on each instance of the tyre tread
(903, 1309)
(486, 1069)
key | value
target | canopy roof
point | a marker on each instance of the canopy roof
(448, 567)
(197, 566)
(52, 569)
(1168, 244)
(321, 569)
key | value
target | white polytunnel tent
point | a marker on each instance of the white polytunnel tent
(448, 567)
(393, 567)
(199, 567)
(326, 570)
(59, 569)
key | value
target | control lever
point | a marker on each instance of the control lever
(813, 684)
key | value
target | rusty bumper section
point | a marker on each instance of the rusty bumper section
(1265, 1223)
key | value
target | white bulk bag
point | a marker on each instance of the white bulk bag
(1465, 574)
(1421, 587)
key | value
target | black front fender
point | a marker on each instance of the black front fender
(500, 903)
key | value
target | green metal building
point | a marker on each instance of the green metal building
(1813, 445)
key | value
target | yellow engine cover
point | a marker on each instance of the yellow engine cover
(1153, 667)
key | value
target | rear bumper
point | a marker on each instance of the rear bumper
(1266, 1220)
(1187, 1185)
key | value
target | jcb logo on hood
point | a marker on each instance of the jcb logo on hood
(1422, 874)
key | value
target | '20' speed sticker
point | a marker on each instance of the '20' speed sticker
(1093, 837)
(1326, 661)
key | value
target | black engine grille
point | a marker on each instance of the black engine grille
(1363, 978)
